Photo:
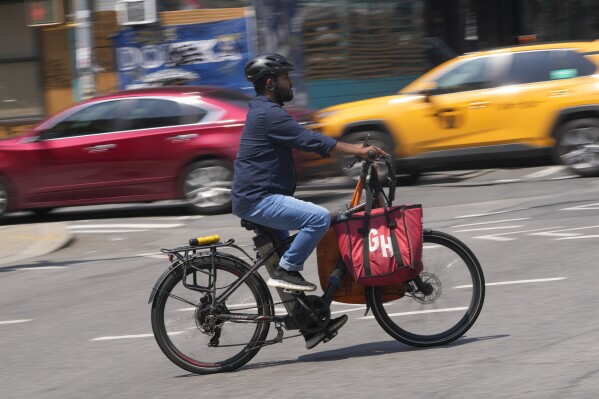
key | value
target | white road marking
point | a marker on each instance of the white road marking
(489, 228)
(125, 226)
(153, 255)
(484, 214)
(500, 181)
(229, 305)
(552, 234)
(41, 268)
(574, 238)
(14, 321)
(419, 312)
(563, 177)
(494, 221)
(349, 310)
(545, 172)
(177, 218)
(110, 338)
(582, 207)
(497, 238)
(540, 280)
(431, 246)
(343, 303)
(567, 235)
(107, 231)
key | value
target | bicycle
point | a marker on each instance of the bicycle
(231, 319)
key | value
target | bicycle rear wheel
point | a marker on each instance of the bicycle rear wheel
(181, 321)
(445, 306)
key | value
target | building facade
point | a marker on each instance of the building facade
(347, 49)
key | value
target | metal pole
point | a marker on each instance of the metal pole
(83, 50)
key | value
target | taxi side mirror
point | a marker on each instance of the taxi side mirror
(429, 91)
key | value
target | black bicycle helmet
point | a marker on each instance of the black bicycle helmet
(266, 64)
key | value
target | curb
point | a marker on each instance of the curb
(21, 242)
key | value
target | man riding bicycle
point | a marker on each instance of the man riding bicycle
(264, 178)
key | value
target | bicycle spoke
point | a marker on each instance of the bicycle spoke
(177, 297)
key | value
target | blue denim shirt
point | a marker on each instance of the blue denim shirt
(264, 163)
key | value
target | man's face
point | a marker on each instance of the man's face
(285, 87)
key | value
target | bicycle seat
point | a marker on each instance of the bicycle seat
(246, 224)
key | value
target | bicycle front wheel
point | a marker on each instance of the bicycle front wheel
(443, 304)
(187, 330)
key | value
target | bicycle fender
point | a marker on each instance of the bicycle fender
(168, 271)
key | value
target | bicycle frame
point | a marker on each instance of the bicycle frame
(183, 255)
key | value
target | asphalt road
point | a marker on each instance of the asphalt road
(76, 323)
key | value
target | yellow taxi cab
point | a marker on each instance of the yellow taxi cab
(509, 103)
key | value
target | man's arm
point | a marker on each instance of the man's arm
(342, 148)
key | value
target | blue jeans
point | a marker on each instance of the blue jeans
(285, 213)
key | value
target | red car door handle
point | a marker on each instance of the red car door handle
(181, 137)
(100, 148)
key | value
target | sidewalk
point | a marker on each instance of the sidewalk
(21, 242)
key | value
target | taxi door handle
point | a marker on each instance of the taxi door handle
(558, 93)
(100, 148)
(478, 104)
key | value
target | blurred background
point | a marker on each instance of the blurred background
(54, 53)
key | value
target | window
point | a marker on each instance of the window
(152, 113)
(20, 85)
(542, 66)
(95, 119)
(470, 75)
(191, 114)
(529, 67)
(566, 64)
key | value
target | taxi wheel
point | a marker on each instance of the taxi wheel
(578, 146)
(382, 140)
(206, 186)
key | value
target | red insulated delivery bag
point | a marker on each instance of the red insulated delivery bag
(382, 246)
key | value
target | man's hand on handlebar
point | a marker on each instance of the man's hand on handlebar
(372, 152)
(357, 149)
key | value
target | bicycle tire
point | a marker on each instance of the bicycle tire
(178, 336)
(450, 310)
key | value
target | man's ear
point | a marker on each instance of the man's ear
(270, 84)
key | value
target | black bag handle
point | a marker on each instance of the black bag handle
(373, 190)
(367, 211)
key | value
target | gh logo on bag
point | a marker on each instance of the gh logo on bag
(376, 241)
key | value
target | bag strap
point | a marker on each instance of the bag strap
(390, 222)
(365, 230)
(392, 226)
(375, 192)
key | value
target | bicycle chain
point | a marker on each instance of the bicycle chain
(278, 339)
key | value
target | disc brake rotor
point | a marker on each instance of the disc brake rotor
(431, 289)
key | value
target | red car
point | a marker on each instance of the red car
(135, 146)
